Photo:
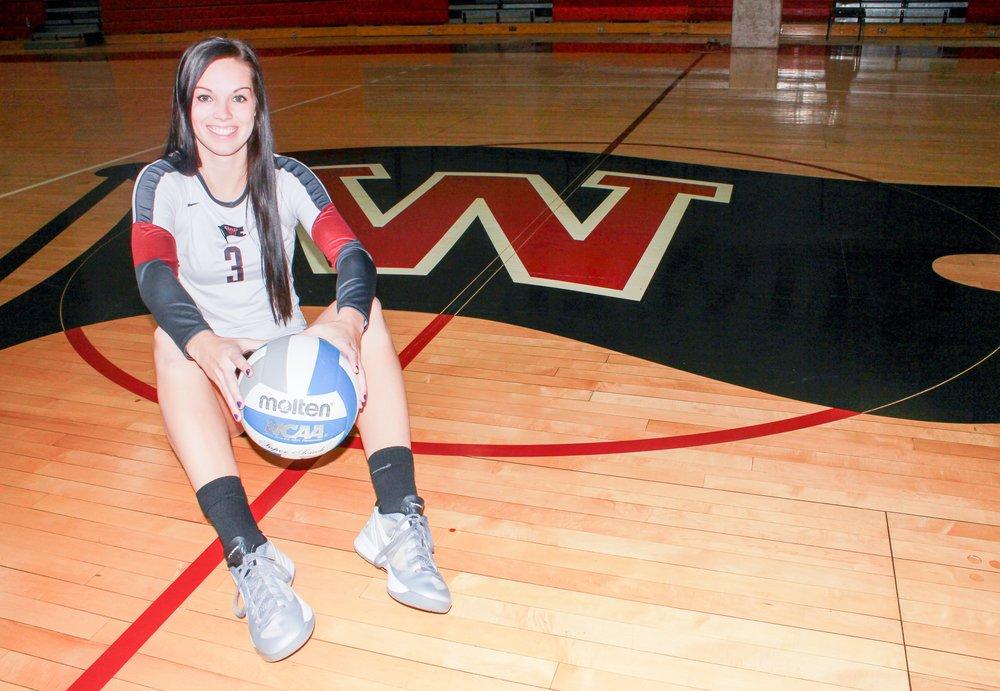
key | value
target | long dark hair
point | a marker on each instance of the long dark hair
(182, 152)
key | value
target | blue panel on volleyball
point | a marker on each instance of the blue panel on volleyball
(330, 372)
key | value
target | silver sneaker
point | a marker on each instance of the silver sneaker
(280, 621)
(401, 544)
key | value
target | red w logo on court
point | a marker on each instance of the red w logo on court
(614, 251)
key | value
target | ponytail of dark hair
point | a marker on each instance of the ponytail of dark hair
(182, 151)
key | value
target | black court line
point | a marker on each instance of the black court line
(486, 274)
(574, 185)
(32, 244)
(651, 107)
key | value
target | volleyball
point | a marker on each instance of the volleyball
(302, 398)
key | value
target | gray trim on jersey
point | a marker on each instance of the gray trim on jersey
(145, 189)
(307, 178)
(228, 205)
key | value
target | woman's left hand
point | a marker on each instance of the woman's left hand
(344, 332)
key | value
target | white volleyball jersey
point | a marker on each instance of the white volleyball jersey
(218, 256)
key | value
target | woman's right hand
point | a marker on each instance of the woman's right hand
(220, 358)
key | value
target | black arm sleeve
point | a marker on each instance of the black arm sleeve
(169, 303)
(355, 279)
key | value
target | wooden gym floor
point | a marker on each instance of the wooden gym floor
(747, 437)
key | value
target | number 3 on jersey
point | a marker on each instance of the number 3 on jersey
(234, 255)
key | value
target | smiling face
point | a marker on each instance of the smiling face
(223, 110)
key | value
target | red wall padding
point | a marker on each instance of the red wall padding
(631, 11)
(139, 16)
(142, 16)
(983, 11)
(15, 16)
(805, 10)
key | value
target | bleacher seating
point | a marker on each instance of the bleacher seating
(498, 11)
(899, 11)
(864, 12)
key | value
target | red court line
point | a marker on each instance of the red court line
(126, 645)
(104, 668)
(135, 636)
(421, 340)
(92, 356)
(680, 441)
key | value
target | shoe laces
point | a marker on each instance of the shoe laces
(412, 535)
(261, 582)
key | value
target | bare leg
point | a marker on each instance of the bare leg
(197, 422)
(396, 530)
(199, 427)
(385, 419)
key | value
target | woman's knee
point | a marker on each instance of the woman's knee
(168, 359)
(376, 311)
(165, 351)
(183, 378)
(376, 318)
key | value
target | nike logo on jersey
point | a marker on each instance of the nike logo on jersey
(229, 231)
